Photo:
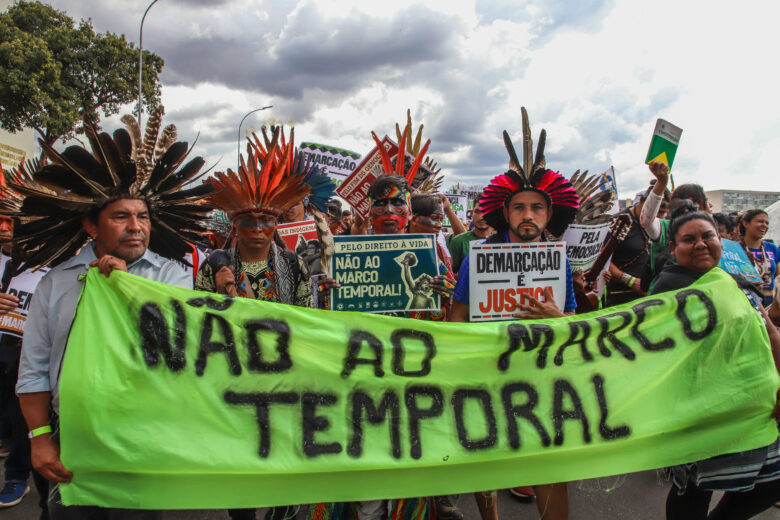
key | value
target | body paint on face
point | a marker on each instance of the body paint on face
(395, 209)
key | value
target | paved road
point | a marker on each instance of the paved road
(639, 496)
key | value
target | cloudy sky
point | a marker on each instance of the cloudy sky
(595, 74)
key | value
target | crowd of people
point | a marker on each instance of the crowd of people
(131, 203)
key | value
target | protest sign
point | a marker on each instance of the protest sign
(175, 399)
(663, 145)
(501, 274)
(734, 260)
(22, 286)
(337, 163)
(354, 189)
(382, 273)
(459, 204)
(301, 237)
(583, 244)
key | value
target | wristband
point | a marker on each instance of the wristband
(631, 281)
(39, 431)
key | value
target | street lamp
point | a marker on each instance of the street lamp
(141, 60)
(238, 144)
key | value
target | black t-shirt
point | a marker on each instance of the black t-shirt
(673, 277)
(631, 255)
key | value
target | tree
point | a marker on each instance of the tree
(57, 73)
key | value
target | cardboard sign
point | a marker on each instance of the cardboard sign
(734, 260)
(301, 237)
(354, 189)
(459, 204)
(22, 286)
(383, 273)
(500, 274)
(337, 163)
(583, 244)
(663, 145)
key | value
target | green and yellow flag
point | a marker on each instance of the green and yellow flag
(179, 399)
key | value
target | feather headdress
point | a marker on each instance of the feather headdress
(273, 178)
(594, 203)
(532, 175)
(78, 182)
(409, 172)
(432, 180)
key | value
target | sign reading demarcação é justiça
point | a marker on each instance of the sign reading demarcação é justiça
(501, 274)
(234, 402)
(382, 273)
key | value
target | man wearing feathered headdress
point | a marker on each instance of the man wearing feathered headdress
(120, 206)
(389, 214)
(522, 205)
(273, 179)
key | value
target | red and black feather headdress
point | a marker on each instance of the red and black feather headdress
(531, 176)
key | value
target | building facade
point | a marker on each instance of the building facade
(741, 200)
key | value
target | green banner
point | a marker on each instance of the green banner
(179, 399)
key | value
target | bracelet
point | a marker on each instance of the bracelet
(631, 281)
(39, 431)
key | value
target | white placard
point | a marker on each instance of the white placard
(500, 274)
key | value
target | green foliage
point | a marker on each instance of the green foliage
(55, 72)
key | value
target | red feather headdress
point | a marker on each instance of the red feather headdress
(534, 176)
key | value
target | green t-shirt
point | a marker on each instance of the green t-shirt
(459, 248)
(658, 249)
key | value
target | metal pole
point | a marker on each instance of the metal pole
(238, 144)
(140, 60)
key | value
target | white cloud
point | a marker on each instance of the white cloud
(596, 75)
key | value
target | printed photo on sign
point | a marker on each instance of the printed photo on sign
(301, 237)
(500, 275)
(384, 273)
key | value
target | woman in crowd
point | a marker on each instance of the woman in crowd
(750, 479)
(764, 255)
(656, 228)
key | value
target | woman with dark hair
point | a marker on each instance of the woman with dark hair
(764, 255)
(656, 228)
(750, 479)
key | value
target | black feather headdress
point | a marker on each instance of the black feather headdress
(78, 182)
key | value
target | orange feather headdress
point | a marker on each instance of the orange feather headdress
(271, 180)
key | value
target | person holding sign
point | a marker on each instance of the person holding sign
(390, 196)
(522, 205)
(750, 479)
(656, 228)
(256, 266)
(126, 196)
(16, 293)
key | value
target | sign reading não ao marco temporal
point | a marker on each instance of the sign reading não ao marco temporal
(179, 399)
